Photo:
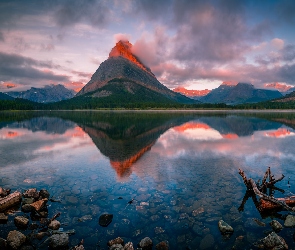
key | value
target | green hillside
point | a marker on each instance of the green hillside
(118, 93)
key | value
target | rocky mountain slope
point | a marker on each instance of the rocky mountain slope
(50, 93)
(123, 64)
(4, 96)
(287, 98)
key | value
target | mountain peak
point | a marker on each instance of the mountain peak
(124, 49)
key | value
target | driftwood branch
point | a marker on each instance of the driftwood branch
(267, 201)
(280, 202)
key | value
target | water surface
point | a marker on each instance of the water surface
(181, 169)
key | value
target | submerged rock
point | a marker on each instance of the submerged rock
(27, 208)
(164, 245)
(3, 243)
(276, 226)
(225, 228)
(3, 218)
(31, 193)
(54, 225)
(21, 222)
(116, 241)
(128, 246)
(105, 219)
(146, 244)
(15, 239)
(4, 192)
(273, 242)
(57, 241)
(43, 193)
(290, 221)
(207, 242)
(27, 201)
(116, 247)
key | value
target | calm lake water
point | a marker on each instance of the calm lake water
(181, 169)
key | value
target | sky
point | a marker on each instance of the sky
(189, 43)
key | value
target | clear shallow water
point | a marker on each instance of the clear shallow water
(181, 169)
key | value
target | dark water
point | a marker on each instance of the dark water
(181, 169)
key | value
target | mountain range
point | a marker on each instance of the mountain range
(123, 81)
(50, 93)
(238, 94)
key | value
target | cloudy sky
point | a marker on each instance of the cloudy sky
(191, 43)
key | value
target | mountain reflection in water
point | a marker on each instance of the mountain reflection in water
(125, 137)
(180, 168)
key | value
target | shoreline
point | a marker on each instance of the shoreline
(166, 110)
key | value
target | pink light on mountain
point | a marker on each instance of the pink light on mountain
(282, 87)
(191, 93)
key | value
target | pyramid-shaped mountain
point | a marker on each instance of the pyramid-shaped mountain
(123, 75)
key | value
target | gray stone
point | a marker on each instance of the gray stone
(128, 246)
(21, 222)
(273, 241)
(57, 241)
(31, 193)
(54, 225)
(290, 221)
(116, 241)
(3, 218)
(146, 244)
(116, 247)
(27, 201)
(276, 226)
(225, 228)
(27, 208)
(15, 239)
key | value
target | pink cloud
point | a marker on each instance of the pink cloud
(121, 37)
(277, 43)
(76, 86)
(8, 85)
(279, 86)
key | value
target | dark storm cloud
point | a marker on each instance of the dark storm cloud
(18, 60)
(63, 12)
(14, 66)
(211, 40)
(284, 55)
(286, 10)
(287, 72)
(71, 12)
(2, 37)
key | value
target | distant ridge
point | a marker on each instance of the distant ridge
(194, 94)
(50, 93)
(239, 94)
(287, 98)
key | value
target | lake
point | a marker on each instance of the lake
(181, 169)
